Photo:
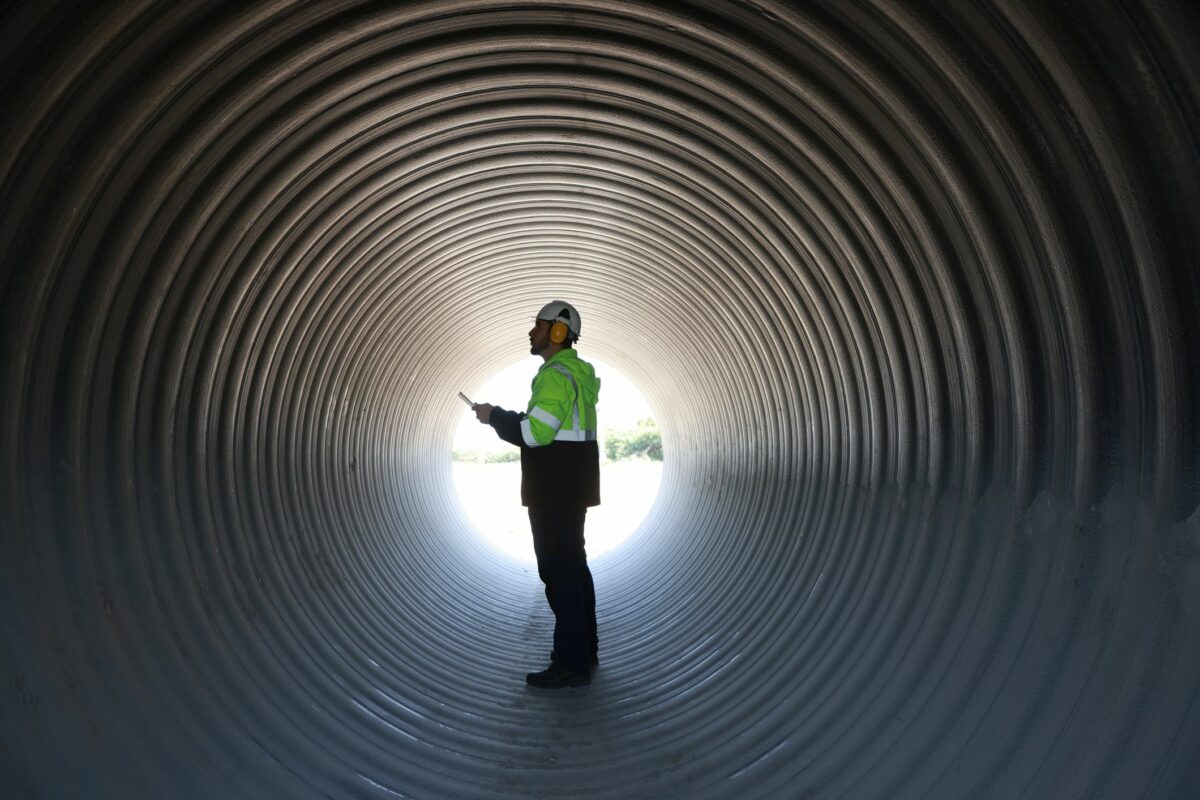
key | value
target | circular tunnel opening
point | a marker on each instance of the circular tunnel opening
(487, 473)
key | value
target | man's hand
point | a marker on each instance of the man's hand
(483, 412)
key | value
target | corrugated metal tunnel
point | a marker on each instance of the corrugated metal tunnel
(912, 290)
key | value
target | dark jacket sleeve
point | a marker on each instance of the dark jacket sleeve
(507, 425)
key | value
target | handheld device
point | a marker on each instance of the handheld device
(466, 399)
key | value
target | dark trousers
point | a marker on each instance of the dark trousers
(562, 566)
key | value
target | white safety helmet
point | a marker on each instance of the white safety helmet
(558, 311)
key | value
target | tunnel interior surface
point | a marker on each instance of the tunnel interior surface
(912, 289)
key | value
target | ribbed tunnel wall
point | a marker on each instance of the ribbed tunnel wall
(911, 288)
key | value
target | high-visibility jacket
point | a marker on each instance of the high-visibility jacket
(562, 406)
(560, 457)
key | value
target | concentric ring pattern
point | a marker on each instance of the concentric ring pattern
(912, 288)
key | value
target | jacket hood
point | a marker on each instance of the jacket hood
(583, 372)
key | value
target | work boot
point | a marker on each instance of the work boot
(595, 658)
(556, 676)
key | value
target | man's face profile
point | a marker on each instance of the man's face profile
(539, 337)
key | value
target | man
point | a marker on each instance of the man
(560, 479)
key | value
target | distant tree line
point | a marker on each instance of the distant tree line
(643, 442)
(485, 456)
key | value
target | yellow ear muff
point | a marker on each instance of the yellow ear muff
(558, 332)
